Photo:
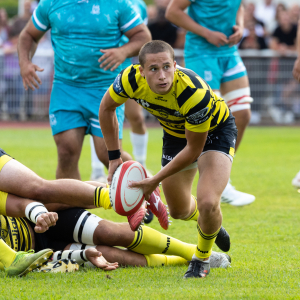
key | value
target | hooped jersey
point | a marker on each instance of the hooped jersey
(190, 104)
(16, 233)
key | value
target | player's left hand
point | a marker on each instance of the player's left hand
(44, 221)
(236, 36)
(296, 70)
(96, 258)
(111, 58)
(148, 185)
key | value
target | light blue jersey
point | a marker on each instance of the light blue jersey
(216, 15)
(141, 9)
(79, 29)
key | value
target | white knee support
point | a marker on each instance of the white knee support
(85, 228)
(238, 99)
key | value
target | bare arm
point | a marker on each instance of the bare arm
(110, 130)
(175, 14)
(238, 28)
(296, 70)
(193, 149)
(113, 57)
(27, 45)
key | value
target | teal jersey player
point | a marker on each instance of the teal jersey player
(79, 29)
(141, 9)
(216, 15)
(85, 37)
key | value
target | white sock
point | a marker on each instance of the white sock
(194, 257)
(139, 143)
(97, 165)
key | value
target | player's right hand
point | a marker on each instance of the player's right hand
(96, 258)
(30, 78)
(217, 38)
(113, 164)
(296, 70)
(44, 221)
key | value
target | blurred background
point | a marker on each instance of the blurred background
(267, 53)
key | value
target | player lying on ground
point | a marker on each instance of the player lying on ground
(79, 232)
(18, 180)
(199, 132)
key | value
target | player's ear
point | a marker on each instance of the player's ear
(175, 64)
(142, 71)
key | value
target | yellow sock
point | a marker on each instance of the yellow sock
(150, 241)
(7, 255)
(101, 198)
(194, 216)
(159, 260)
(205, 243)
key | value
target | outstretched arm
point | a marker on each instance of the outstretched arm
(193, 149)
(176, 14)
(27, 45)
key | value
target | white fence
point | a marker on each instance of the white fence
(276, 94)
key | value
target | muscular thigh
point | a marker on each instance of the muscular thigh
(177, 189)
(133, 110)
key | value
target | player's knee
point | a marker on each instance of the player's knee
(103, 234)
(208, 205)
(242, 117)
(179, 214)
(67, 154)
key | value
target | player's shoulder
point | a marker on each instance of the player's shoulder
(132, 76)
(187, 77)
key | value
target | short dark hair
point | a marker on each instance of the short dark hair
(155, 46)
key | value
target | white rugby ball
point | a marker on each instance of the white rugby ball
(124, 199)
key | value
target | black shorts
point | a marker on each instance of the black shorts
(60, 235)
(2, 152)
(222, 139)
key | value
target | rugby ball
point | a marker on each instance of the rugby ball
(124, 199)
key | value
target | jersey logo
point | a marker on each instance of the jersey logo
(163, 113)
(143, 102)
(160, 98)
(4, 234)
(117, 86)
(178, 114)
(207, 75)
(96, 10)
(83, 1)
(198, 117)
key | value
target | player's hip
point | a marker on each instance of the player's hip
(222, 139)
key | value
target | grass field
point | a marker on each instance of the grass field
(265, 236)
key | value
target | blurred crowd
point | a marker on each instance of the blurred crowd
(266, 26)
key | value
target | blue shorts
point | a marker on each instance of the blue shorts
(72, 107)
(216, 70)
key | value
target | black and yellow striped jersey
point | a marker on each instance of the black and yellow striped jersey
(190, 104)
(16, 233)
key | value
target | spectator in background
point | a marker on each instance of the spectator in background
(250, 39)
(284, 37)
(20, 22)
(3, 26)
(294, 13)
(265, 12)
(152, 13)
(162, 29)
(249, 17)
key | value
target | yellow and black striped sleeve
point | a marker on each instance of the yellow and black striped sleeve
(124, 85)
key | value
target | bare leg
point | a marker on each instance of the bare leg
(134, 114)
(17, 179)
(69, 145)
(178, 195)
(214, 168)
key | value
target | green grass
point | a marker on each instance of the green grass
(265, 236)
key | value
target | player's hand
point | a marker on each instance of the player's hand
(96, 258)
(148, 185)
(44, 221)
(113, 164)
(30, 78)
(111, 58)
(236, 36)
(217, 38)
(296, 70)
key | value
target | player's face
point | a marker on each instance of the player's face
(159, 72)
